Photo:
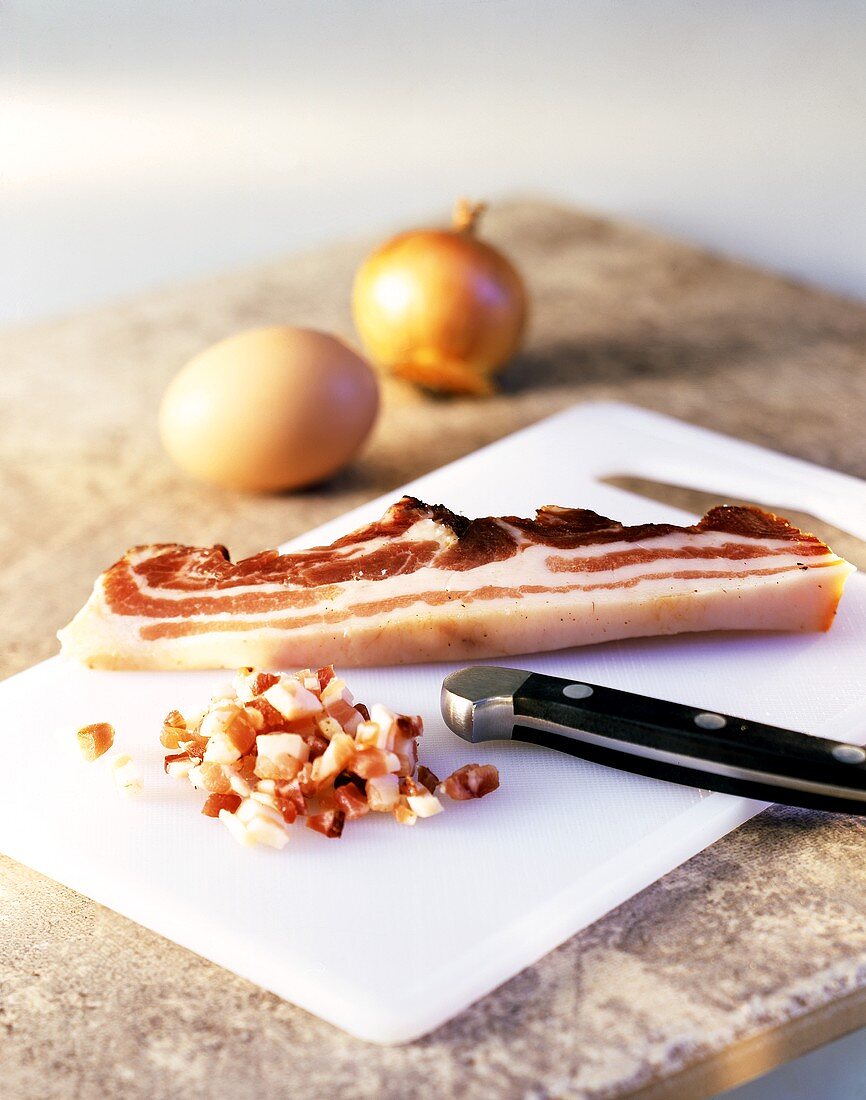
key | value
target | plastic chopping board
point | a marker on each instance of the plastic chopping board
(390, 931)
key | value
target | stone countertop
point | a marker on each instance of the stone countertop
(749, 953)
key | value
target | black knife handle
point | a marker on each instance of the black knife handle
(683, 744)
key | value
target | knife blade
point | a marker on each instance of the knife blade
(698, 501)
(655, 737)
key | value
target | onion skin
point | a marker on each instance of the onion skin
(440, 307)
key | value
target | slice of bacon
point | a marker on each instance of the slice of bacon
(425, 584)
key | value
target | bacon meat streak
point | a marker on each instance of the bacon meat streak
(424, 584)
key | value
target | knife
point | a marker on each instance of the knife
(655, 737)
(699, 501)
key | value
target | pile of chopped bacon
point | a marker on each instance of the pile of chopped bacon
(274, 747)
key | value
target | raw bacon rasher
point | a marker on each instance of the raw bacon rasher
(425, 584)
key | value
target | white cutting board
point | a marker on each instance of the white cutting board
(390, 931)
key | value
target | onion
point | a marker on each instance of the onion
(440, 307)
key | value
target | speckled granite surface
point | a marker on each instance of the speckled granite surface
(763, 929)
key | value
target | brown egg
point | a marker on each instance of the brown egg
(273, 408)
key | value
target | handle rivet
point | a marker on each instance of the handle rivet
(709, 721)
(577, 691)
(849, 754)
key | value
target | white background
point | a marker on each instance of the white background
(145, 141)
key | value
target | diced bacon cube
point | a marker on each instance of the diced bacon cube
(261, 681)
(329, 824)
(406, 751)
(419, 800)
(339, 703)
(274, 744)
(249, 683)
(305, 727)
(230, 732)
(178, 761)
(251, 807)
(428, 778)
(287, 809)
(338, 754)
(216, 802)
(310, 680)
(256, 718)
(271, 719)
(326, 798)
(471, 781)
(263, 831)
(289, 800)
(127, 777)
(383, 717)
(317, 744)
(263, 824)
(292, 699)
(195, 746)
(266, 798)
(383, 793)
(405, 744)
(369, 763)
(335, 690)
(344, 713)
(392, 733)
(370, 734)
(94, 741)
(410, 725)
(242, 686)
(209, 776)
(193, 721)
(425, 805)
(305, 781)
(219, 750)
(325, 676)
(246, 768)
(241, 733)
(239, 786)
(284, 766)
(280, 755)
(404, 814)
(173, 728)
(328, 726)
(236, 827)
(291, 792)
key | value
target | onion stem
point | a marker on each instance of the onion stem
(467, 215)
